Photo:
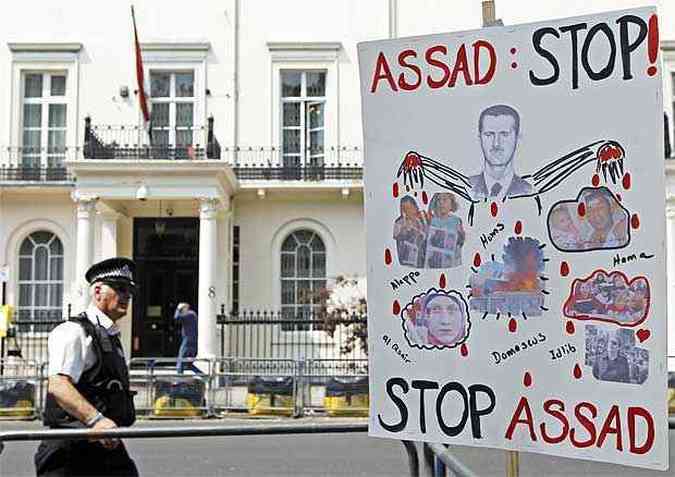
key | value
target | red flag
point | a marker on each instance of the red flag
(139, 73)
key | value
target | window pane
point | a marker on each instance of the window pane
(315, 115)
(26, 247)
(41, 295)
(319, 265)
(287, 264)
(25, 268)
(58, 85)
(41, 237)
(160, 84)
(316, 142)
(56, 268)
(291, 141)
(319, 295)
(185, 84)
(316, 84)
(287, 292)
(160, 114)
(292, 114)
(41, 263)
(317, 244)
(289, 244)
(160, 137)
(31, 142)
(304, 261)
(303, 236)
(55, 295)
(57, 142)
(33, 86)
(25, 295)
(57, 115)
(56, 248)
(184, 114)
(304, 295)
(32, 115)
(183, 137)
(291, 82)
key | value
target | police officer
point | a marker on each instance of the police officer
(89, 380)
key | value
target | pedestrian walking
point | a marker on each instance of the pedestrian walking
(188, 345)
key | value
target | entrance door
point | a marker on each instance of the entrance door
(167, 270)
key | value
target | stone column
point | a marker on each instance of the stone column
(109, 234)
(85, 250)
(208, 255)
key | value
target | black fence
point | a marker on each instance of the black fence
(282, 335)
(27, 338)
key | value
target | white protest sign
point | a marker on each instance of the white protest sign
(515, 217)
(4, 273)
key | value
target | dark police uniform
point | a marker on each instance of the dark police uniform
(87, 348)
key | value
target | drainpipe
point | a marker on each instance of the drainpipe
(236, 83)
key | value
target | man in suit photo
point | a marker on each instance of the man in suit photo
(498, 131)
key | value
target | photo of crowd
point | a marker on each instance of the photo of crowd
(603, 223)
(612, 354)
(437, 318)
(431, 238)
(513, 285)
(609, 297)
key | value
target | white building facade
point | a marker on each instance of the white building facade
(248, 194)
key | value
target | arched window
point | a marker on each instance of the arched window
(40, 278)
(303, 276)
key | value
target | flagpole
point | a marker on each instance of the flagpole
(140, 79)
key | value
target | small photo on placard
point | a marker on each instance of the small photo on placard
(613, 355)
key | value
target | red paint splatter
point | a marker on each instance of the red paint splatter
(577, 371)
(514, 65)
(513, 325)
(441, 281)
(494, 209)
(564, 269)
(395, 190)
(626, 181)
(476, 260)
(581, 209)
(425, 197)
(407, 188)
(415, 193)
(396, 308)
(387, 256)
(569, 327)
(527, 379)
(596, 180)
(518, 229)
(643, 335)
(513, 51)
(464, 350)
(635, 221)
(618, 197)
(653, 43)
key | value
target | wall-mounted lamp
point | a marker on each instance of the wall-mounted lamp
(142, 193)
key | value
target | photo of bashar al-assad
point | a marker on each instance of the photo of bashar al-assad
(498, 131)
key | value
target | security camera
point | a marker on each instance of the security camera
(142, 193)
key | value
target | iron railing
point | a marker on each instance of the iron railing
(274, 334)
(36, 165)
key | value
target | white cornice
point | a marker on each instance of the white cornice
(45, 47)
(177, 46)
(324, 46)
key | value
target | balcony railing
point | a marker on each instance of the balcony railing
(134, 142)
(32, 165)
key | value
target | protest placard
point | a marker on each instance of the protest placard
(518, 173)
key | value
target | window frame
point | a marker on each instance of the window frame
(173, 100)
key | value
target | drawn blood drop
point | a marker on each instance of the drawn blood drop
(527, 379)
(618, 197)
(596, 180)
(387, 256)
(425, 198)
(476, 260)
(396, 309)
(635, 221)
(577, 371)
(581, 209)
(441, 281)
(464, 350)
(513, 325)
(395, 189)
(564, 269)
(626, 181)
(518, 228)
(569, 327)
(494, 209)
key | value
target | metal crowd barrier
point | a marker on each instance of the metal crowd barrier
(20, 389)
(223, 431)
